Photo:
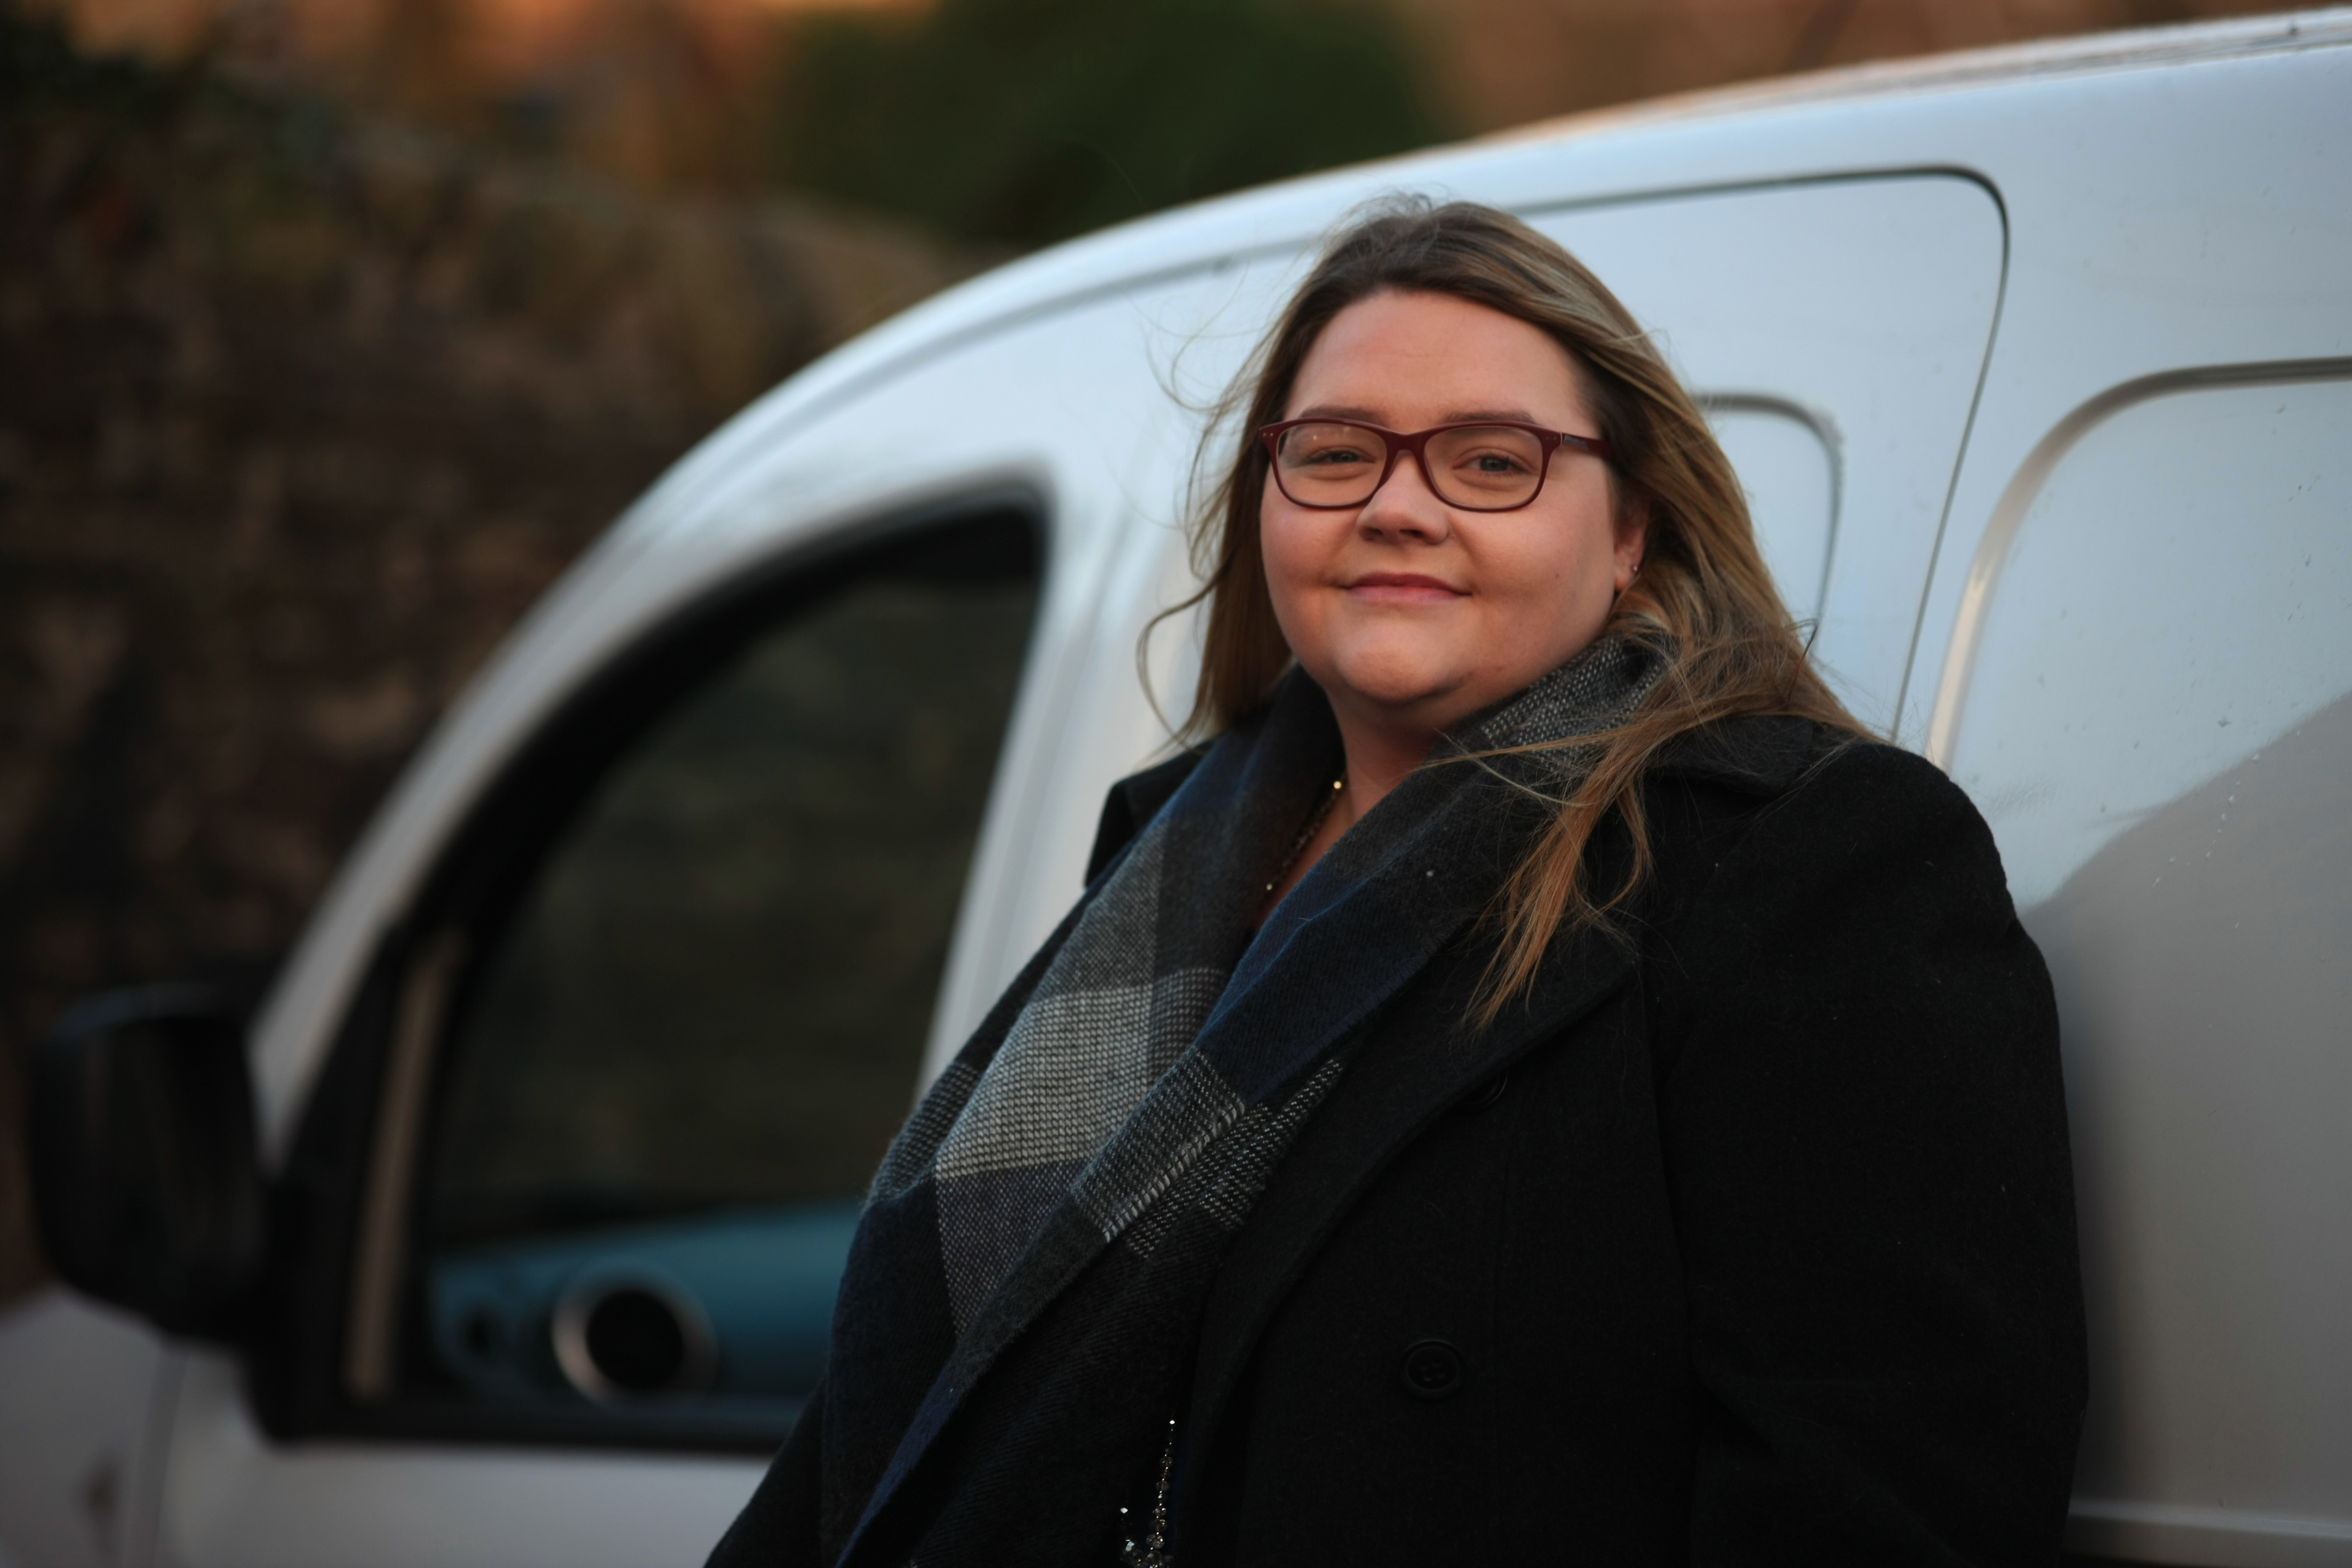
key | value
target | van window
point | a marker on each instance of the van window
(676, 1059)
(2158, 726)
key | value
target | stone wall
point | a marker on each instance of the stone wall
(298, 415)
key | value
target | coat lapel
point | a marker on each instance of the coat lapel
(1420, 1059)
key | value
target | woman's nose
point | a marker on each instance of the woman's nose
(1404, 506)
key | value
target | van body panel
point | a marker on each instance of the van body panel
(233, 1496)
(2135, 648)
(80, 1433)
(1863, 308)
(2159, 727)
(2160, 249)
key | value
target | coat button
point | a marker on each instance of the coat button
(1433, 1369)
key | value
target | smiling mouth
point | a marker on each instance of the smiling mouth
(1403, 588)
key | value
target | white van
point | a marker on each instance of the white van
(2037, 366)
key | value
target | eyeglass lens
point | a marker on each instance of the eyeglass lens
(1476, 466)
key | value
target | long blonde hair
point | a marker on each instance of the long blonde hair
(1702, 601)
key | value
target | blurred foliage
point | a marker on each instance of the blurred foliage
(40, 69)
(1021, 122)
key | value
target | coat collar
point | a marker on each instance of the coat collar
(1389, 1096)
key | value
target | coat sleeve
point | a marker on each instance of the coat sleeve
(1865, 1133)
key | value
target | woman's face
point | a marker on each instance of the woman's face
(1412, 615)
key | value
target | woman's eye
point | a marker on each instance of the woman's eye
(1496, 463)
(1331, 458)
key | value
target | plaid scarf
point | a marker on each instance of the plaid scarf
(1023, 1294)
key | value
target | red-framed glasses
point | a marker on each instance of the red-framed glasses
(1484, 465)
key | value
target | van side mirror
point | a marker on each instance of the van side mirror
(147, 1188)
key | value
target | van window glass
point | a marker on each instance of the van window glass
(678, 1059)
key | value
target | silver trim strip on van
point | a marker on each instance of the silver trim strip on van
(368, 1364)
(2171, 1532)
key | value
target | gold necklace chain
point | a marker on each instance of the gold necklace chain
(1315, 820)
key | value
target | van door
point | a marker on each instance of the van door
(566, 1212)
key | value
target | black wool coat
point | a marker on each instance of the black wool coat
(1746, 1238)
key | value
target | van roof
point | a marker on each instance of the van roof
(1279, 218)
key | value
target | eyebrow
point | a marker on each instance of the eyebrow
(1459, 417)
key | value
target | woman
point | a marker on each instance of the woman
(1541, 1085)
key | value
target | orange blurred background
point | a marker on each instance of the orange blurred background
(656, 90)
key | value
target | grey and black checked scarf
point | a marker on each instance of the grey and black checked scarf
(1023, 1294)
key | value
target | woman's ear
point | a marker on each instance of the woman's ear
(1633, 540)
